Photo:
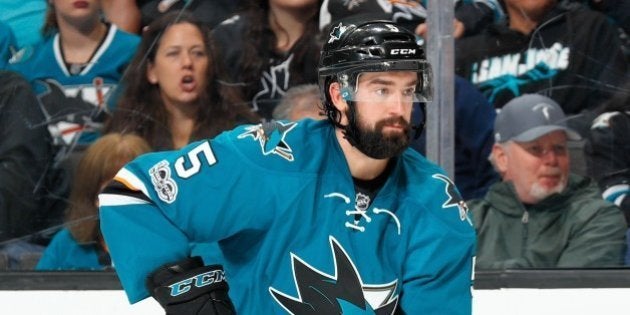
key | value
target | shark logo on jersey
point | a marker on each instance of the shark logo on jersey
(71, 111)
(341, 293)
(510, 86)
(454, 198)
(501, 78)
(336, 32)
(271, 137)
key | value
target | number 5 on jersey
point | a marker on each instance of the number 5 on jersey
(194, 156)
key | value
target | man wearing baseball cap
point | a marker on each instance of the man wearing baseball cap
(540, 215)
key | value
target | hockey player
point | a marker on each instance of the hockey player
(312, 217)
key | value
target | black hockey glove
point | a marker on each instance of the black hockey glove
(188, 287)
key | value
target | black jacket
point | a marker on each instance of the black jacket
(25, 153)
(279, 71)
(573, 56)
(607, 153)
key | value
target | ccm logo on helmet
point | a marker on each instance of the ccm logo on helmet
(402, 51)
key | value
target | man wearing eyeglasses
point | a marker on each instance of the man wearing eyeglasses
(540, 215)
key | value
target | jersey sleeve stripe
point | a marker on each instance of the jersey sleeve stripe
(131, 181)
(119, 200)
(123, 194)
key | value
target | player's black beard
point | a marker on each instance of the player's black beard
(372, 142)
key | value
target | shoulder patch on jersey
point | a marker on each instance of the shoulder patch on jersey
(271, 136)
(23, 54)
(164, 185)
(454, 199)
(341, 293)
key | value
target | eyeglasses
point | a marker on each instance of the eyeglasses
(540, 150)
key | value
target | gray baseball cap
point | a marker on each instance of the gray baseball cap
(529, 117)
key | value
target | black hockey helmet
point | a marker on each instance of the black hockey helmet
(356, 46)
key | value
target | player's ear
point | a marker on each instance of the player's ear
(335, 96)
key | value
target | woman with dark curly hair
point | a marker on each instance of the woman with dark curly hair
(269, 47)
(173, 93)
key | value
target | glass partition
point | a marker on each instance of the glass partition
(576, 54)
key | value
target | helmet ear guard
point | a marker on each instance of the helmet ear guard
(346, 93)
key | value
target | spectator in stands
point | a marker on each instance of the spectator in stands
(300, 101)
(80, 244)
(607, 152)
(270, 47)
(405, 13)
(124, 13)
(565, 51)
(172, 94)
(540, 215)
(24, 154)
(7, 44)
(470, 16)
(617, 10)
(208, 12)
(25, 18)
(72, 71)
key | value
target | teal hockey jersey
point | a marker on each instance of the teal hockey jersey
(74, 98)
(280, 201)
